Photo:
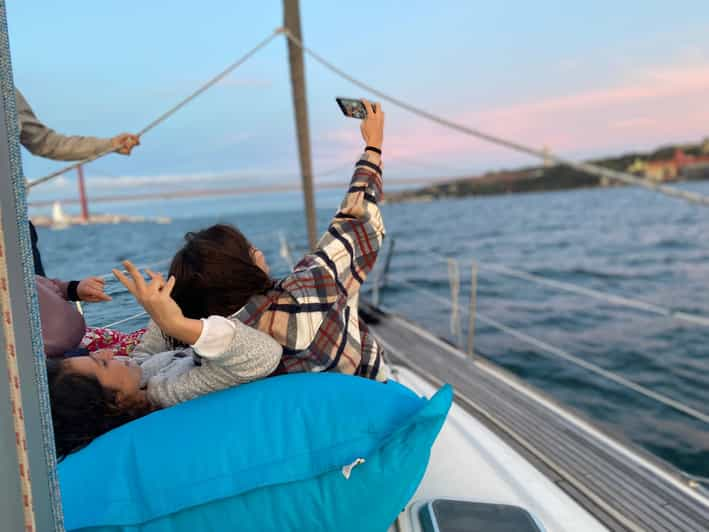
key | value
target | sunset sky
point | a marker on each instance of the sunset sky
(584, 79)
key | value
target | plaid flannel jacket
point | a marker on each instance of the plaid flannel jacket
(313, 311)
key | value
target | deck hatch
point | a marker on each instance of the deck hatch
(448, 515)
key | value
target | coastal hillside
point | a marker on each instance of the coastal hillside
(665, 164)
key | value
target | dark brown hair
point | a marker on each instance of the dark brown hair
(82, 409)
(215, 273)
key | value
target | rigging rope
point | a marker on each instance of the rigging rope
(589, 168)
(167, 114)
(124, 320)
(556, 351)
(13, 377)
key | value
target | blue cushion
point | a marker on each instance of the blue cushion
(263, 456)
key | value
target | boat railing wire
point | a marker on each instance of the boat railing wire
(549, 349)
(606, 297)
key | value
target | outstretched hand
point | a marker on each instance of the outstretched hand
(153, 296)
(91, 290)
(125, 142)
(372, 126)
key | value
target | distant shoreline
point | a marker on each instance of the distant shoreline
(95, 219)
(557, 177)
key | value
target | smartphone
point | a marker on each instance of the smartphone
(352, 108)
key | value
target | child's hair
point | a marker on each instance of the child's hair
(215, 273)
(82, 409)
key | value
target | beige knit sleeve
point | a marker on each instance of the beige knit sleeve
(152, 342)
(43, 141)
(247, 355)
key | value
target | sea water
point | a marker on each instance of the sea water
(623, 241)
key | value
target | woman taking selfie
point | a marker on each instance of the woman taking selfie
(219, 300)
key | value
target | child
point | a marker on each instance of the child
(91, 395)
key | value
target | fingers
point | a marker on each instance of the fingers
(135, 275)
(170, 285)
(137, 285)
(372, 127)
(95, 296)
(95, 283)
(102, 354)
(93, 290)
(157, 281)
(130, 285)
(131, 141)
(125, 142)
(155, 276)
(373, 109)
(368, 107)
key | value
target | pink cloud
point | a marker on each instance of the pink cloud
(648, 108)
(655, 106)
(633, 123)
(654, 85)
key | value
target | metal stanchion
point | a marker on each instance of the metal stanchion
(473, 305)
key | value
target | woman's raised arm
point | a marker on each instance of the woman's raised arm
(349, 247)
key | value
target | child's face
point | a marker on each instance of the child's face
(121, 374)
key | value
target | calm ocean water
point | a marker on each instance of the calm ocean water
(623, 241)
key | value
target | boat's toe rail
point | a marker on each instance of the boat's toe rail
(623, 487)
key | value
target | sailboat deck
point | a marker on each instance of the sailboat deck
(622, 486)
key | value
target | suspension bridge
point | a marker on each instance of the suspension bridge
(291, 34)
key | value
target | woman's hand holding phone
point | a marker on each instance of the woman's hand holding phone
(372, 126)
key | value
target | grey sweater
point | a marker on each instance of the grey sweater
(45, 142)
(226, 354)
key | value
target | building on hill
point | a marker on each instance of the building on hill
(669, 169)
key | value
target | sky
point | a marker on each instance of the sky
(585, 79)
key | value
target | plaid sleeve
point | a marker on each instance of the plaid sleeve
(348, 249)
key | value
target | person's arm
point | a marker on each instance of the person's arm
(348, 249)
(61, 288)
(231, 354)
(90, 289)
(342, 260)
(63, 326)
(45, 142)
